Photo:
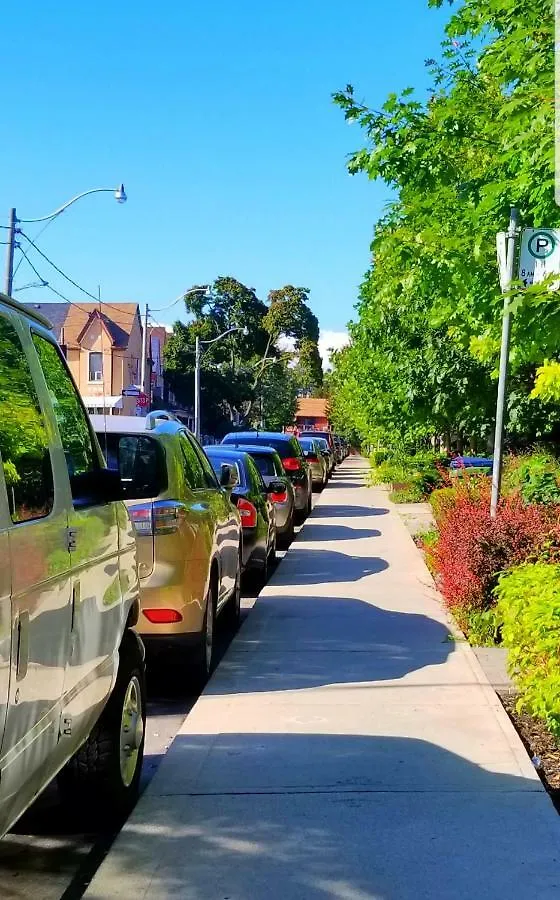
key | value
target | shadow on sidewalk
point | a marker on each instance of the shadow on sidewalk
(329, 511)
(317, 567)
(316, 531)
(324, 817)
(293, 643)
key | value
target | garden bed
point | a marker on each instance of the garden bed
(541, 746)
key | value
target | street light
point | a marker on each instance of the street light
(197, 355)
(119, 195)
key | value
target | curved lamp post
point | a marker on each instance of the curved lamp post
(120, 197)
(197, 354)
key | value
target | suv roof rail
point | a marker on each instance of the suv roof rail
(159, 415)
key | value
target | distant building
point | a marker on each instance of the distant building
(158, 335)
(313, 412)
(103, 345)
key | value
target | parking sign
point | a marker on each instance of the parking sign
(539, 255)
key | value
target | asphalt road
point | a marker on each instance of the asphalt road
(40, 858)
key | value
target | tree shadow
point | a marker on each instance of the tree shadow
(330, 511)
(328, 566)
(296, 643)
(316, 531)
(332, 817)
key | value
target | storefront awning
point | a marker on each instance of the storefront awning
(103, 402)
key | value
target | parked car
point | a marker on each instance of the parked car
(253, 500)
(188, 535)
(293, 461)
(72, 680)
(326, 453)
(338, 449)
(269, 464)
(327, 435)
(317, 462)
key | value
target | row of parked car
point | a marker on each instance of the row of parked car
(88, 583)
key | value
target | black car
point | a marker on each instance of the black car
(293, 461)
(270, 466)
(252, 498)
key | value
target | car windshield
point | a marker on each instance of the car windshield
(323, 444)
(307, 443)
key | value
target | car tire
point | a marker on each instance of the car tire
(288, 536)
(205, 658)
(232, 612)
(102, 778)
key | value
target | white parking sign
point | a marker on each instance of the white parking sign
(539, 255)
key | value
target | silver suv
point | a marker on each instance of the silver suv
(72, 695)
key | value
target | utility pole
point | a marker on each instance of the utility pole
(10, 253)
(197, 388)
(511, 247)
(143, 365)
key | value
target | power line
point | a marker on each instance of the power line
(58, 269)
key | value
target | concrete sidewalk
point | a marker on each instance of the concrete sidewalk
(346, 747)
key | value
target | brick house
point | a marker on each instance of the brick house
(313, 412)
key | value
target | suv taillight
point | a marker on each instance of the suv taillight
(279, 498)
(247, 512)
(141, 518)
(161, 517)
(312, 458)
(291, 464)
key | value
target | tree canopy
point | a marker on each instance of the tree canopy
(425, 345)
(249, 377)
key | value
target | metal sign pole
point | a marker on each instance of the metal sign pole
(511, 246)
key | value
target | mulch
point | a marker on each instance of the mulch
(542, 747)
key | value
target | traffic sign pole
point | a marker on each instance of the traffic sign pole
(511, 247)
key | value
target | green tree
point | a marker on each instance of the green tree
(425, 345)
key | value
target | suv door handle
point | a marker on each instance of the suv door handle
(22, 652)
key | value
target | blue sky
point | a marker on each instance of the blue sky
(218, 118)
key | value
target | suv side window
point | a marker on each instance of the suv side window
(194, 472)
(211, 480)
(24, 443)
(255, 474)
(73, 424)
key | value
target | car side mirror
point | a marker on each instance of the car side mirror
(97, 487)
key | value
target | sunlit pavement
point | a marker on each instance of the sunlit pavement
(347, 747)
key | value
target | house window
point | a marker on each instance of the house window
(95, 366)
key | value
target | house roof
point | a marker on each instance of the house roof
(313, 407)
(55, 312)
(70, 321)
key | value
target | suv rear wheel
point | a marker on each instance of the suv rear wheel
(206, 653)
(232, 612)
(103, 777)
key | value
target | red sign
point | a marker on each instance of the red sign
(142, 400)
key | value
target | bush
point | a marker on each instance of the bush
(442, 501)
(420, 471)
(410, 494)
(529, 611)
(534, 476)
(473, 549)
(379, 456)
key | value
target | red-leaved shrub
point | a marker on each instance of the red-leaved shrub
(472, 549)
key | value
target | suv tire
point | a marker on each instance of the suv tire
(103, 776)
(205, 660)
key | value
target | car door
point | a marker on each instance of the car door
(37, 490)
(201, 516)
(259, 496)
(96, 594)
(226, 523)
(5, 607)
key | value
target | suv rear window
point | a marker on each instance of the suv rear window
(284, 446)
(264, 463)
